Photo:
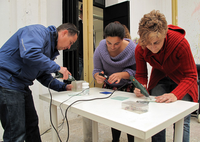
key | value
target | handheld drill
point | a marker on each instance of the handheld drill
(60, 75)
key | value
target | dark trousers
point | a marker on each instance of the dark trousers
(116, 135)
(166, 85)
(18, 116)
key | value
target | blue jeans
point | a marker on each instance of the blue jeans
(18, 116)
(166, 85)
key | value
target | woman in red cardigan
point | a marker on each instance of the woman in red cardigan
(173, 75)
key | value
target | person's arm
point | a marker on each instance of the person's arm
(32, 45)
(45, 79)
(188, 68)
(141, 70)
(141, 66)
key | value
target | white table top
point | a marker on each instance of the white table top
(109, 111)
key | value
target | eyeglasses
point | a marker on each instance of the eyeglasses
(77, 31)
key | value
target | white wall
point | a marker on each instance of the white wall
(141, 7)
(188, 18)
(98, 25)
(7, 18)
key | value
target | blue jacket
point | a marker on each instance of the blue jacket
(28, 55)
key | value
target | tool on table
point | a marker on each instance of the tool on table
(60, 75)
(140, 86)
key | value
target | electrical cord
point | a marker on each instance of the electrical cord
(65, 118)
(82, 101)
(60, 109)
(45, 131)
(67, 100)
(50, 109)
(64, 102)
(50, 129)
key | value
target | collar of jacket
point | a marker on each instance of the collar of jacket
(54, 37)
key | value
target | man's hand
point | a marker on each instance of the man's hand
(65, 72)
(166, 98)
(69, 87)
(138, 92)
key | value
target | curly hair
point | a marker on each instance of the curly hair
(153, 22)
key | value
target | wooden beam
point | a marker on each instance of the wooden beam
(88, 40)
(90, 37)
(174, 12)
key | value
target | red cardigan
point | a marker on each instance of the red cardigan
(175, 61)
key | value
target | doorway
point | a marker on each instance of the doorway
(101, 17)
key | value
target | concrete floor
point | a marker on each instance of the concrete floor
(76, 133)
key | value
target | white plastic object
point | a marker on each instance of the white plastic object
(85, 88)
(77, 85)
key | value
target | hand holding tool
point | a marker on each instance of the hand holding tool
(60, 75)
(101, 74)
(140, 86)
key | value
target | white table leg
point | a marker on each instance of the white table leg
(87, 130)
(136, 139)
(178, 137)
(55, 123)
(94, 131)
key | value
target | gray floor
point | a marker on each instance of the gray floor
(76, 134)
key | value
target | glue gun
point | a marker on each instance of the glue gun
(140, 86)
(101, 74)
(60, 75)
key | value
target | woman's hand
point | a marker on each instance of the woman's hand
(100, 79)
(166, 98)
(138, 92)
(115, 78)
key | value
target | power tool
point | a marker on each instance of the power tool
(60, 75)
(101, 74)
(140, 86)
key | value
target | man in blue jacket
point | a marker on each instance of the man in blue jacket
(28, 55)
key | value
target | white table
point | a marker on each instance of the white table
(109, 112)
